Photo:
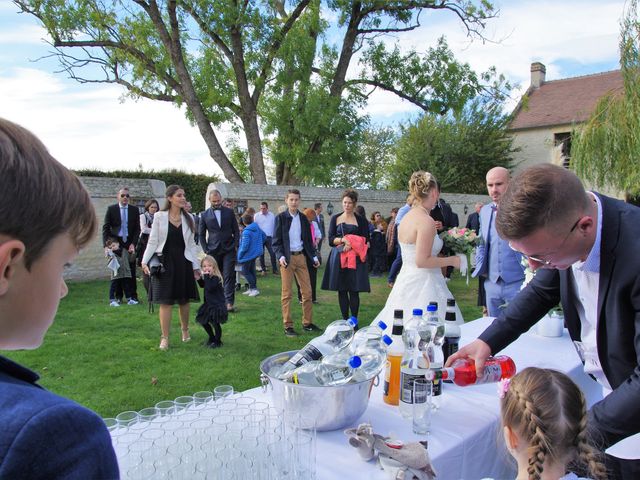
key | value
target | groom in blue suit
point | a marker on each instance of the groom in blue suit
(496, 262)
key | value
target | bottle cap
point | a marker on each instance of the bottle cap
(432, 308)
(355, 361)
(354, 320)
(417, 311)
(382, 325)
(387, 339)
(398, 314)
(451, 302)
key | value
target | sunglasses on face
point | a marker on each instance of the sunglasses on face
(124, 195)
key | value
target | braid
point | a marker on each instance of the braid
(587, 454)
(538, 445)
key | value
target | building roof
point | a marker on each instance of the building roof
(565, 101)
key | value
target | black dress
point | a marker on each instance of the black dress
(214, 308)
(337, 278)
(176, 284)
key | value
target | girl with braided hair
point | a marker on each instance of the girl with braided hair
(544, 418)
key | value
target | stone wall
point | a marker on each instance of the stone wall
(91, 264)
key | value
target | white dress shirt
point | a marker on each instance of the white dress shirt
(266, 222)
(295, 234)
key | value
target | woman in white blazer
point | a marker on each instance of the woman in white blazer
(173, 278)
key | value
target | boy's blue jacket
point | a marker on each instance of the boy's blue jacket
(251, 243)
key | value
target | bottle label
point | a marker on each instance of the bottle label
(492, 373)
(450, 346)
(406, 385)
(387, 376)
(436, 387)
(336, 376)
(307, 354)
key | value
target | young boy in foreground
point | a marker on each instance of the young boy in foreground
(46, 216)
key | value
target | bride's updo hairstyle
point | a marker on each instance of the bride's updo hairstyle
(421, 184)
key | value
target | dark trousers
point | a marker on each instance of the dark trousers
(118, 287)
(249, 272)
(272, 256)
(132, 265)
(395, 266)
(227, 264)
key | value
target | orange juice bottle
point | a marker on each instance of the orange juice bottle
(391, 391)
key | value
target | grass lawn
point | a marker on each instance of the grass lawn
(108, 359)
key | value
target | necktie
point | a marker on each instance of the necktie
(125, 231)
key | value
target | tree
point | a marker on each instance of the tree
(266, 68)
(458, 149)
(606, 150)
(375, 157)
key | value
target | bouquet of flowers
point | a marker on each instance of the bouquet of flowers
(461, 241)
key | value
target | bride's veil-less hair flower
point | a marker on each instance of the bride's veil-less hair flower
(421, 184)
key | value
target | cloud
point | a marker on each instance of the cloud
(89, 127)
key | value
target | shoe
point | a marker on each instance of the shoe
(212, 345)
(230, 308)
(315, 302)
(311, 328)
(133, 301)
(300, 302)
(238, 287)
(246, 292)
(263, 273)
(164, 344)
(290, 332)
(114, 303)
(390, 284)
(254, 293)
(185, 335)
(275, 272)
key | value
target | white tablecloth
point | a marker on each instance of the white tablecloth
(465, 441)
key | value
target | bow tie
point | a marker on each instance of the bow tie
(217, 208)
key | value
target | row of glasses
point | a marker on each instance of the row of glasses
(219, 435)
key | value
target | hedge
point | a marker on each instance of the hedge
(195, 185)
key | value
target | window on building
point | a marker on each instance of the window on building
(564, 139)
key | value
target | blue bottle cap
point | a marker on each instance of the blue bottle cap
(432, 308)
(353, 321)
(387, 339)
(417, 311)
(355, 361)
(382, 325)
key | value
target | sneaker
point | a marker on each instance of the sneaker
(254, 293)
(311, 328)
(133, 301)
(290, 332)
(114, 303)
(246, 292)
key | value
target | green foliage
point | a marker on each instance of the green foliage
(195, 185)
(606, 150)
(273, 71)
(375, 158)
(458, 149)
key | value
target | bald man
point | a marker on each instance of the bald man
(496, 262)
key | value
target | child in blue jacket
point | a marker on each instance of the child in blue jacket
(251, 247)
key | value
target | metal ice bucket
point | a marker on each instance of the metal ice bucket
(332, 408)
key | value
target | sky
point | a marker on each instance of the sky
(93, 126)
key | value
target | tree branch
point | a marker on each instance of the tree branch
(217, 40)
(424, 105)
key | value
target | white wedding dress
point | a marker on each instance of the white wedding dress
(415, 287)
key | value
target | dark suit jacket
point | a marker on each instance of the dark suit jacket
(280, 240)
(113, 221)
(473, 222)
(618, 335)
(442, 212)
(45, 436)
(222, 238)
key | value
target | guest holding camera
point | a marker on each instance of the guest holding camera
(176, 269)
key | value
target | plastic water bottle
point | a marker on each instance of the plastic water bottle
(334, 369)
(414, 363)
(434, 350)
(366, 334)
(391, 392)
(373, 354)
(451, 330)
(336, 336)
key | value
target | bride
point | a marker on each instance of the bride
(420, 280)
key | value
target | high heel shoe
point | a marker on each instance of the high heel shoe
(164, 344)
(185, 335)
